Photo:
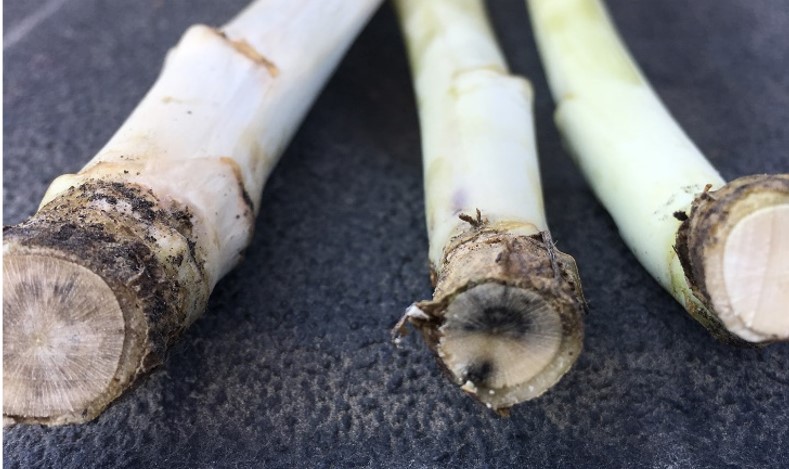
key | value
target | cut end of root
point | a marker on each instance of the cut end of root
(97, 284)
(506, 319)
(736, 256)
(500, 343)
(756, 270)
(63, 334)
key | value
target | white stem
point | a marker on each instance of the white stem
(478, 144)
(226, 104)
(121, 257)
(637, 159)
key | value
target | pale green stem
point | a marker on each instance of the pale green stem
(478, 145)
(649, 175)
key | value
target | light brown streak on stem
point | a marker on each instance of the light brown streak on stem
(236, 170)
(246, 49)
(170, 99)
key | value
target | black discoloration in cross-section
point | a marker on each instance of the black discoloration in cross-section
(478, 373)
(25, 288)
(120, 250)
(498, 313)
(500, 321)
(63, 290)
(116, 244)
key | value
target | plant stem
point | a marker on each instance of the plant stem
(650, 177)
(121, 257)
(506, 316)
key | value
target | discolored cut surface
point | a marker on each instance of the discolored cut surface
(62, 336)
(292, 366)
(496, 336)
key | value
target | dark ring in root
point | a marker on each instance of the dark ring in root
(507, 326)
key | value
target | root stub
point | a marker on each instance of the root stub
(63, 336)
(506, 321)
(96, 285)
(735, 251)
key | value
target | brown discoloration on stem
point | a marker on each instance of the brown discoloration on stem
(144, 252)
(433, 276)
(701, 240)
(246, 49)
(231, 163)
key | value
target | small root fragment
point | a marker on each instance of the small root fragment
(414, 315)
(475, 222)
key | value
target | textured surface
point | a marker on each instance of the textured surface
(291, 365)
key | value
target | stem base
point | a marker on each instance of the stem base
(506, 319)
(115, 277)
(732, 248)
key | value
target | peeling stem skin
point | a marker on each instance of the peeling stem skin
(650, 177)
(506, 316)
(122, 256)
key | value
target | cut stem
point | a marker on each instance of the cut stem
(506, 315)
(121, 257)
(720, 249)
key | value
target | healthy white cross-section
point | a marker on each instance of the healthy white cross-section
(721, 249)
(122, 256)
(506, 315)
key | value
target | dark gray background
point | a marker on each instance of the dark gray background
(291, 364)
